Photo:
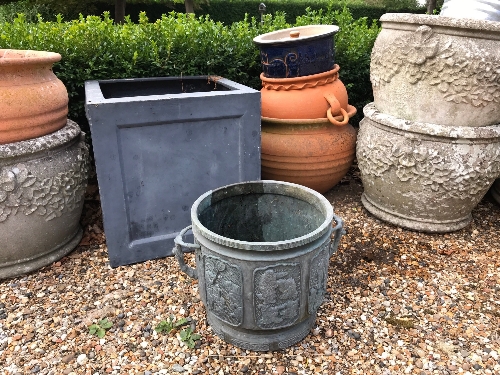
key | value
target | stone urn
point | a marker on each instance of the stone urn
(33, 101)
(312, 153)
(424, 176)
(42, 186)
(437, 70)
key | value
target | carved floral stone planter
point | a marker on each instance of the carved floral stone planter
(42, 185)
(33, 101)
(437, 69)
(424, 176)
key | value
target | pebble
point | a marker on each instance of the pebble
(81, 359)
(68, 358)
(178, 368)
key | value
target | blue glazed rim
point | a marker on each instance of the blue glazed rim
(310, 51)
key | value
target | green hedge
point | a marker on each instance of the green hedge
(95, 48)
(226, 11)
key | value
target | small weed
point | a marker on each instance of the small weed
(99, 329)
(188, 337)
(170, 324)
(400, 322)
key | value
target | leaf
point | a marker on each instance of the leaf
(93, 329)
(195, 336)
(185, 334)
(101, 333)
(105, 323)
(181, 322)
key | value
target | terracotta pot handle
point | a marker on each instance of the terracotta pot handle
(332, 119)
(335, 108)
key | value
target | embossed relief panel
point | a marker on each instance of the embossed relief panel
(224, 288)
(24, 193)
(277, 295)
(318, 279)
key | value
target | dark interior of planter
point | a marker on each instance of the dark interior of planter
(261, 218)
(158, 86)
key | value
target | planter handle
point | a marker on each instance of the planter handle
(335, 108)
(338, 231)
(179, 255)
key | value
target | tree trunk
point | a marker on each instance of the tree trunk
(120, 11)
(431, 5)
(189, 6)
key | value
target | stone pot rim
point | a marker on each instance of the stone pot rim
(11, 57)
(269, 187)
(446, 25)
(70, 131)
(425, 128)
(283, 38)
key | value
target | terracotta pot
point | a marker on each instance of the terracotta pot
(311, 97)
(438, 70)
(423, 176)
(312, 153)
(33, 101)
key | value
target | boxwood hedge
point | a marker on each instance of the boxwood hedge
(177, 44)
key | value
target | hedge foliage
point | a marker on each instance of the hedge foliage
(178, 44)
(228, 11)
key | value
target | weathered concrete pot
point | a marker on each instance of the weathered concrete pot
(42, 186)
(312, 153)
(262, 253)
(33, 101)
(420, 60)
(424, 176)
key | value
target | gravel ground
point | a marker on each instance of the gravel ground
(398, 302)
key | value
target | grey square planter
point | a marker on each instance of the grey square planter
(160, 143)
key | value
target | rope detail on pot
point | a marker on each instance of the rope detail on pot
(322, 82)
